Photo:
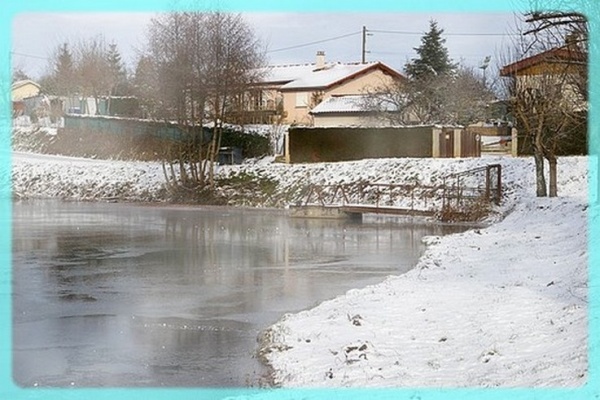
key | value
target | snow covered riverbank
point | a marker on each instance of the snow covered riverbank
(502, 306)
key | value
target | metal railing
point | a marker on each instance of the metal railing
(482, 184)
(458, 192)
(408, 196)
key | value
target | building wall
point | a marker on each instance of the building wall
(147, 139)
(299, 114)
(329, 119)
(372, 79)
(339, 119)
(22, 92)
(548, 82)
(331, 144)
(308, 144)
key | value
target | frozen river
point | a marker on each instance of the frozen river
(128, 295)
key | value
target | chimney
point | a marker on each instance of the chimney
(320, 59)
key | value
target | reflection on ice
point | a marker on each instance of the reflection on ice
(124, 295)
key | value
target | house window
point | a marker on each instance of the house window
(302, 99)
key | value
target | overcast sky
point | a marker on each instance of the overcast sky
(392, 36)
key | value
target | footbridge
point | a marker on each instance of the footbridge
(465, 195)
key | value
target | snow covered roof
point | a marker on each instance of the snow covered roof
(341, 104)
(308, 76)
(355, 103)
(23, 82)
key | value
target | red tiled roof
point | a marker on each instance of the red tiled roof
(559, 54)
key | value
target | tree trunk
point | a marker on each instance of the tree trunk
(108, 102)
(553, 189)
(540, 179)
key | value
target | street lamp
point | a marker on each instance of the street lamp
(484, 64)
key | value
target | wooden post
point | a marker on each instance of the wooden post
(499, 185)
(487, 183)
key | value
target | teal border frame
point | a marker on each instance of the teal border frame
(8, 390)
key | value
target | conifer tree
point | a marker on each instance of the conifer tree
(433, 59)
(430, 76)
(114, 59)
(117, 75)
(64, 71)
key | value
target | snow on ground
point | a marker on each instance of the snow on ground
(40, 176)
(501, 306)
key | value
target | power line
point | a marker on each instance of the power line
(445, 33)
(315, 42)
(411, 53)
(28, 55)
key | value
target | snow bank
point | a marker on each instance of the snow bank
(503, 306)
(36, 175)
(47, 176)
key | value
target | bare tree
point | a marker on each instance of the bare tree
(144, 82)
(465, 97)
(203, 62)
(19, 75)
(233, 63)
(560, 21)
(544, 114)
(175, 49)
(549, 103)
(459, 98)
(389, 101)
(89, 68)
(93, 68)
(436, 91)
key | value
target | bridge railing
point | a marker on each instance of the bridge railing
(464, 195)
(483, 184)
(408, 196)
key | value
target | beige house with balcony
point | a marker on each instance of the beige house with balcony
(559, 72)
(292, 91)
(559, 66)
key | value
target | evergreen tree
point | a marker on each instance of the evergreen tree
(433, 59)
(117, 76)
(113, 57)
(64, 71)
(64, 62)
(430, 75)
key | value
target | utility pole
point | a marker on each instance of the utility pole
(364, 44)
